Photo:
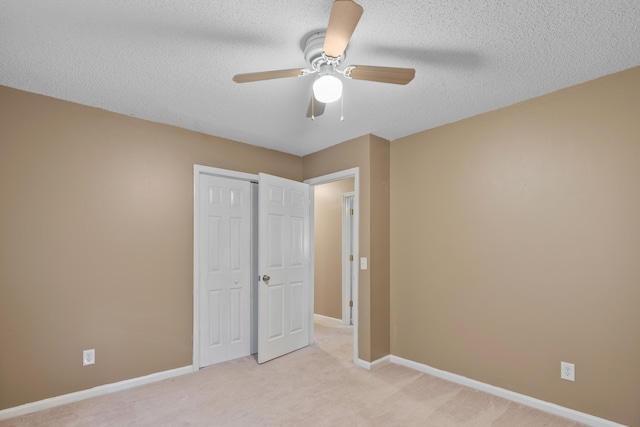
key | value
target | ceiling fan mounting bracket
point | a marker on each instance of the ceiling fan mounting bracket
(314, 54)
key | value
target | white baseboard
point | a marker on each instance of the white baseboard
(327, 319)
(92, 392)
(371, 366)
(507, 394)
(455, 378)
(363, 364)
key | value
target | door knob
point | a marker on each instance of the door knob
(266, 278)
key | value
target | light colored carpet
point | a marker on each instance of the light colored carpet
(316, 386)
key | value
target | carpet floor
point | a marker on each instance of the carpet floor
(316, 386)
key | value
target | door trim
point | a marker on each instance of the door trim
(347, 248)
(197, 171)
(324, 179)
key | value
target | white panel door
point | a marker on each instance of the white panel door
(225, 269)
(284, 288)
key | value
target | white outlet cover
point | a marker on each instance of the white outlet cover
(567, 371)
(88, 357)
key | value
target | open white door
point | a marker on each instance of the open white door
(284, 319)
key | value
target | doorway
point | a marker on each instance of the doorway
(333, 255)
(314, 182)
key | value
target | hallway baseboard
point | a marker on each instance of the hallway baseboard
(327, 319)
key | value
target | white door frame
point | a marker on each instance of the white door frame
(347, 249)
(336, 176)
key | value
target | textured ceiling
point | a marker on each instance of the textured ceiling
(172, 61)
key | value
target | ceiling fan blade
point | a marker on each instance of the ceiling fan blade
(316, 108)
(344, 17)
(267, 75)
(398, 76)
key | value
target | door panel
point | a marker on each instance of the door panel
(214, 318)
(276, 245)
(283, 300)
(296, 306)
(275, 313)
(235, 305)
(225, 269)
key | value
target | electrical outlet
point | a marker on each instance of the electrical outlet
(567, 371)
(88, 357)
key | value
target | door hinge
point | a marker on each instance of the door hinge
(350, 303)
(351, 212)
(350, 257)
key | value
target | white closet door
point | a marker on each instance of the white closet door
(225, 269)
(284, 317)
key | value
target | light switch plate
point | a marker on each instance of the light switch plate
(363, 263)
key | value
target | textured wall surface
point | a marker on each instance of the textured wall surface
(96, 246)
(515, 239)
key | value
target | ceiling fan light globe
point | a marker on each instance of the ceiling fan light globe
(327, 89)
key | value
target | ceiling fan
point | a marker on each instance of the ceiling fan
(324, 50)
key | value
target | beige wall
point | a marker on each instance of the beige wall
(365, 152)
(515, 244)
(96, 242)
(379, 262)
(327, 250)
